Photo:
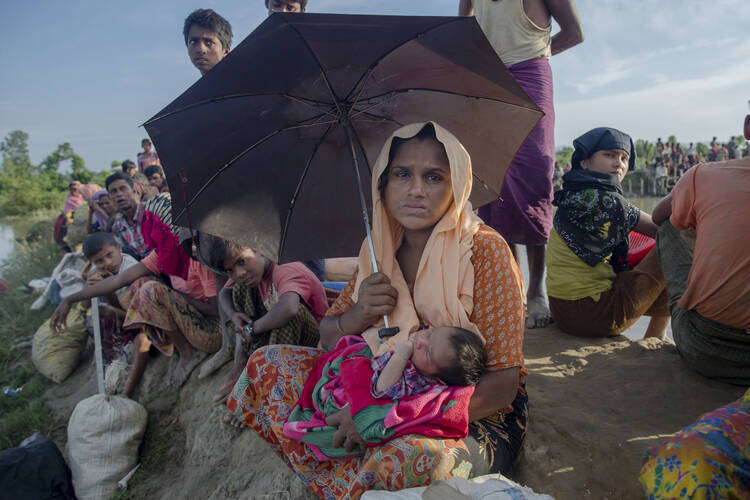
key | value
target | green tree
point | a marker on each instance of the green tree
(25, 187)
(15, 153)
(644, 151)
(563, 156)
(701, 148)
(64, 152)
(671, 140)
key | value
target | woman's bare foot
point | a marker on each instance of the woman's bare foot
(539, 314)
(185, 366)
(657, 327)
(229, 419)
(226, 387)
(240, 360)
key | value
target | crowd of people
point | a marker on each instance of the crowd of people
(304, 369)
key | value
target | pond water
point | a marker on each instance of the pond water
(6, 241)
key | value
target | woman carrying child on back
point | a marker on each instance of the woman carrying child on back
(592, 291)
(439, 265)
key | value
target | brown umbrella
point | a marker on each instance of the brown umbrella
(261, 149)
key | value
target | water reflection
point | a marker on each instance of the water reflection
(6, 241)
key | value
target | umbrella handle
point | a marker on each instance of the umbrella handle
(388, 331)
(98, 344)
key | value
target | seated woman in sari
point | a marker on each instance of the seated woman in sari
(439, 266)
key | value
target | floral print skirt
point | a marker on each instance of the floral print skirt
(156, 309)
(709, 459)
(270, 386)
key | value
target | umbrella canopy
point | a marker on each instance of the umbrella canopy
(260, 150)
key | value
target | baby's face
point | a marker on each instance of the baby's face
(432, 350)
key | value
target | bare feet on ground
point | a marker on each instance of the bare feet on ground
(218, 360)
(539, 314)
(229, 419)
(657, 327)
(185, 366)
(228, 383)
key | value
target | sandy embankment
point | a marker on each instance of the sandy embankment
(595, 406)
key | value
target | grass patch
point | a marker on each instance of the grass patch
(157, 449)
(28, 412)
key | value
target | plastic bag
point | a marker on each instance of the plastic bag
(104, 433)
(57, 356)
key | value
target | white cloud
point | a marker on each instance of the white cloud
(691, 109)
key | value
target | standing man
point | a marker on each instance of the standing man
(285, 6)
(519, 31)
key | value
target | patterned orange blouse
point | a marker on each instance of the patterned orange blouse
(498, 304)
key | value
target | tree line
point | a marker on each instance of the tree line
(25, 187)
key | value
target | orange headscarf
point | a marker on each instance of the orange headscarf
(444, 287)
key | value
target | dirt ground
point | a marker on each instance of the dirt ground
(595, 406)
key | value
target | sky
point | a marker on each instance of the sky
(91, 72)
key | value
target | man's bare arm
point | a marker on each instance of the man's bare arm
(571, 31)
(662, 210)
(465, 8)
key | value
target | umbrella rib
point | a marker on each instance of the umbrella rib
(361, 147)
(319, 105)
(377, 61)
(320, 65)
(299, 187)
(253, 146)
(392, 94)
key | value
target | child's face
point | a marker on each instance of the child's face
(246, 267)
(146, 146)
(108, 259)
(432, 350)
(608, 161)
(105, 202)
(204, 48)
(284, 6)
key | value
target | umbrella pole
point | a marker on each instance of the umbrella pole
(388, 331)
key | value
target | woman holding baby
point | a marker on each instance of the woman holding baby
(439, 266)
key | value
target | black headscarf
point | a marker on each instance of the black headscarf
(599, 139)
(593, 218)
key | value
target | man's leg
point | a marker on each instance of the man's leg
(537, 306)
(141, 345)
(190, 357)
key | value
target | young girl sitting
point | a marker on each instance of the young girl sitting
(421, 387)
(592, 292)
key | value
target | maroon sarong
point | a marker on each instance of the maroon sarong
(524, 214)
